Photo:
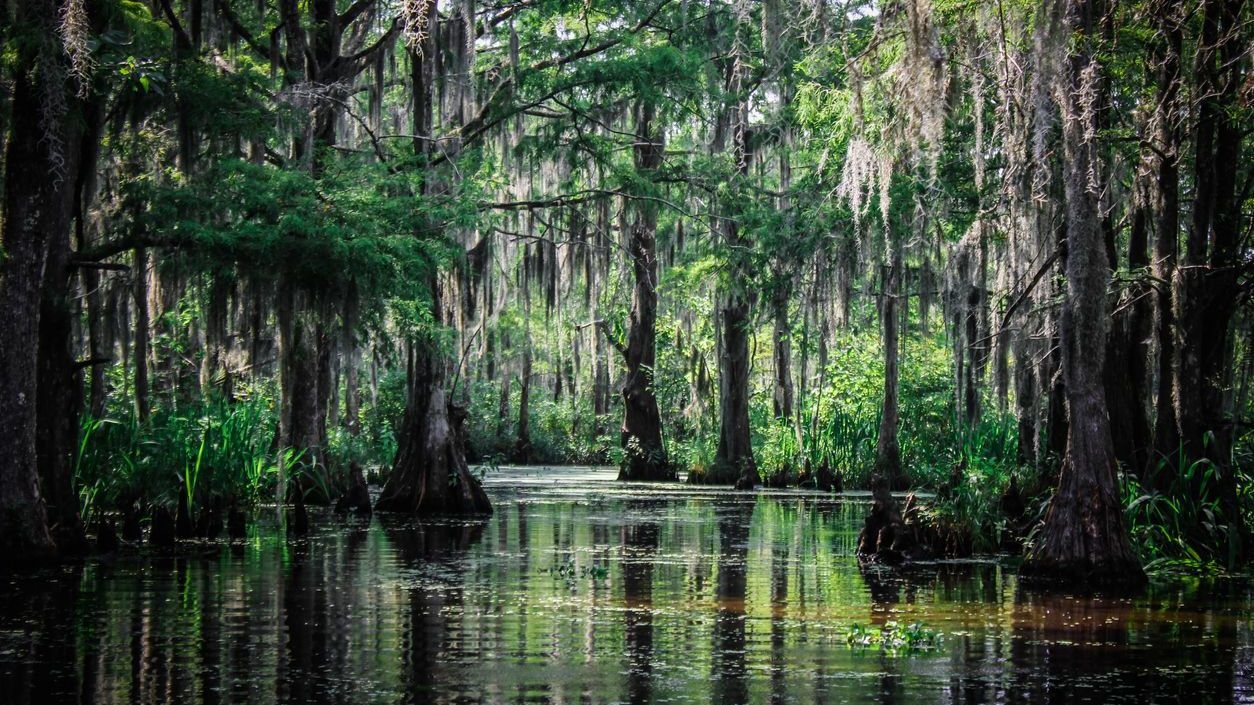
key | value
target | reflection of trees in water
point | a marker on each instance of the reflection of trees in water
(640, 544)
(1243, 663)
(319, 596)
(731, 684)
(779, 627)
(38, 626)
(426, 638)
(886, 587)
(1067, 649)
(328, 622)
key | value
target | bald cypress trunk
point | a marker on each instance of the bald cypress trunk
(139, 278)
(644, 455)
(298, 372)
(1213, 259)
(887, 450)
(59, 400)
(44, 140)
(782, 335)
(1167, 51)
(429, 474)
(734, 462)
(352, 364)
(1126, 355)
(1084, 540)
(522, 442)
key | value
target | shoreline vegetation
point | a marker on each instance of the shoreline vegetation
(991, 263)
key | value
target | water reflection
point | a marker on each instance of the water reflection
(730, 674)
(582, 590)
(639, 550)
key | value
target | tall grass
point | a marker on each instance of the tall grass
(214, 449)
(1182, 525)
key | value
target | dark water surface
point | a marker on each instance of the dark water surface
(677, 595)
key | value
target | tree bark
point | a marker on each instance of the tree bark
(644, 454)
(1084, 541)
(522, 442)
(887, 451)
(1126, 355)
(44, 141)
(734, 461)
(299, 384)
(139, 274)
(429, 474)
(1205, 303)
(1167, 52)
(59, 400)
(782, 334)
(352, 364)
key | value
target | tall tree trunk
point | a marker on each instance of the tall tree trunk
(734, 461)
(1025, 398)
(213, 369)
(99, 348)
(1205, 284)
(1126, 352)
(44, 141)
(502, 409)
(1084, 540)
(59, 403)
(352, 364)
(887, 451)
(782, 334)
(1052, 376)
(644, 455)
(139, 274)
(299, 384)
(600, 385)
(429, 474)
(1167, 51)
(60, 384)
(522, 442)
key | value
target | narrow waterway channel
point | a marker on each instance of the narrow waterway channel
(583, 590)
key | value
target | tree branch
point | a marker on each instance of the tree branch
(356, 63)
(604, 327)
(354, 11)
(224, 8)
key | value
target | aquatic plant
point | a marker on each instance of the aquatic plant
(570, 572)
(214, 449)
(894, 637)
(1181, 524)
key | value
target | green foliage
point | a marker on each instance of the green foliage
(561, 431)
(842, 422)
(571, 573)
(967, 509)
(213, 449)
(894, 638)
(1181, 524)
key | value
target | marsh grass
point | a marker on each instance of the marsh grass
(214, 450)
(1181, 524)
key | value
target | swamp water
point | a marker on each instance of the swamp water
(583, 590)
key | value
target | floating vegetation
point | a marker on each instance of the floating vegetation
(571, 573)
(894, 637)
